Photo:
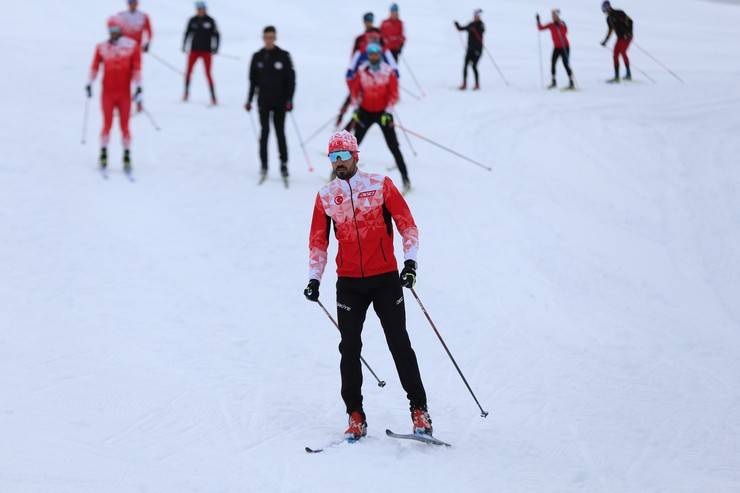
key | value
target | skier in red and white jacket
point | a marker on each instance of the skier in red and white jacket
(392, 31)
(136, 25)
(121, 60)
(561, 46)
(363, 207)
(374, 92)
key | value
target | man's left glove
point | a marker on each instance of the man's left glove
(312, 290)
(145, 47)
(88, 88)
(386, 119)
(137, 94)
(408, 274)
(289, 106)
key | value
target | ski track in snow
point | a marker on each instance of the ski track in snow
(153, 335)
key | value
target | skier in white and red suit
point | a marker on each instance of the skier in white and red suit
(363, 207)
(136, 26)
(121, 60)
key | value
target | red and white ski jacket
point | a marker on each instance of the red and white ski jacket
(559, 33)
(135, 25)
(392, 31)
(374, 90)
(362, 209)
(121, 62)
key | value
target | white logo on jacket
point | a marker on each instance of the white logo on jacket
(278, 65)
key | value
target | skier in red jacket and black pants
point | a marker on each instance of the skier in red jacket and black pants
(363, 207)
(392, 31)
(374, 92)
(561, 46)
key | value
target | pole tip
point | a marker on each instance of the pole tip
(381, 383)
(484, 414)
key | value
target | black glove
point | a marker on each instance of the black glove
(289, 106)
(137, 94)
(145, 48)
(88, 88)
(408, 274)
(312, 290)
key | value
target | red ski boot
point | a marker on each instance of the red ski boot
(422, 421)
(357, 426)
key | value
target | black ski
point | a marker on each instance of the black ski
(428, 439)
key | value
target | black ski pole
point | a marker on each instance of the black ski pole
(659, 63)
(381, 383)
(300, 139)
(539, 46)
(166, 63)
(84, 120)
(419, 136)
(151, 119)
(483, 413)
(418, 86)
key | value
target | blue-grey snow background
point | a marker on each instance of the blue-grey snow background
(154, 338)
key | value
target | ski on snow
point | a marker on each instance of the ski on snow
(428, 439)
(329, 445)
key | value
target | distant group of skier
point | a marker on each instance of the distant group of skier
(359, 207)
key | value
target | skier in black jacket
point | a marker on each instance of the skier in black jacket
(204, 39)
(271, 75)
(475, 47)
(621, 24)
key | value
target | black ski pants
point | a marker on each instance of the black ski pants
(354, 296)
(278, 121)
(565, 54)
(471, 58)
(364, 121)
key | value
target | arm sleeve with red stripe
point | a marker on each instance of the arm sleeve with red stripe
(393, 93)
(318, 241)
(399, 209)
(97, 60)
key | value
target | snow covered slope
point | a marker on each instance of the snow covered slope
(154, 336)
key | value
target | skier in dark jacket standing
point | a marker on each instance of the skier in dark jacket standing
(475, 47)
(204, 39)
(272, 77)
(621, 24)
(363, 208)
(561, 46)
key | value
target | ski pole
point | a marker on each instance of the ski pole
(381, 383)
(151, 119)
(320, 129)
(539, 46)
(485, 48)
(451, 151)
(254, 126)
(415, 96)
(483, 413)
(659, 63)
(166, 63)
(300, 139)
(84, 120)
(421, 89)
(400, 125)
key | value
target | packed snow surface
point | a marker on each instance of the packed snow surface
(154, 336)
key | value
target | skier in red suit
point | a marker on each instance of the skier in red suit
(392, 31)
(561, 47)
(121, 60)
(363, 208)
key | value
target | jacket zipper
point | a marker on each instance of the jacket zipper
(357, 229)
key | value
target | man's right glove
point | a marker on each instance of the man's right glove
(88, 88)
(248, 106)
(312, 290)
(408, 274)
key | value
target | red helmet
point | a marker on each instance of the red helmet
(115, 24)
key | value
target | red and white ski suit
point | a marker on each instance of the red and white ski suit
(362, 209)
(374, 90)
(121, 60)
(135, 25)
(392, 32)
